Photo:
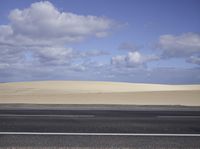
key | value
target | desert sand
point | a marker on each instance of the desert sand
(86, 92)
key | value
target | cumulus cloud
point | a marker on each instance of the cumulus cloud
(118, 60)
(44, 32)
(42, 22)
(132, 59)
(53, 55)
(34, 45)
(194, 59)
(180, 46)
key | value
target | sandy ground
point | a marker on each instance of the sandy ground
(84, 92)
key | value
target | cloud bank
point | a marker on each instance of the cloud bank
(41, 33)
(185, 46)
(43, 23)
(132, 59)
(35, 45)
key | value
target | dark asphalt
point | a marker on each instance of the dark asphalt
(100, 121)
(97, 142)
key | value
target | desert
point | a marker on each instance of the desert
(91, 92)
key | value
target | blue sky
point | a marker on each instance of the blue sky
(142, 41)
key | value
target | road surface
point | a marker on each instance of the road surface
(96, 128)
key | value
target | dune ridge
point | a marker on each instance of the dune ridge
(90, 92)
(92, 86)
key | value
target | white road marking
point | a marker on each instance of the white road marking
(85, 116)
(46, 115)
(99, 134)
(178, 116)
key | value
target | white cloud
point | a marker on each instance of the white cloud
(184, 45)
(194, 60)
(5, 30)
(53, 55)
(132, 59)
(118, 60)
(42, 22)
(44, 32)
(135, 58)
(4, 65)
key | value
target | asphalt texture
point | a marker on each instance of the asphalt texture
(97, 142)
(99, 121)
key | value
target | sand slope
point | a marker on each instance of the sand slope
(85, 92)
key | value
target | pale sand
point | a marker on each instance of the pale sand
(85, 92)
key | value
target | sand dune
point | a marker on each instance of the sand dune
(85, 92)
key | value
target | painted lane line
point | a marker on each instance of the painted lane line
(99, 134)
(84, 116)
(178, 116)
(46, 115)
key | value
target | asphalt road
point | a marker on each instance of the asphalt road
(99, 128)
(97, 142)
(100, 121)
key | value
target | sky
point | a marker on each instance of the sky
(138, 41)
